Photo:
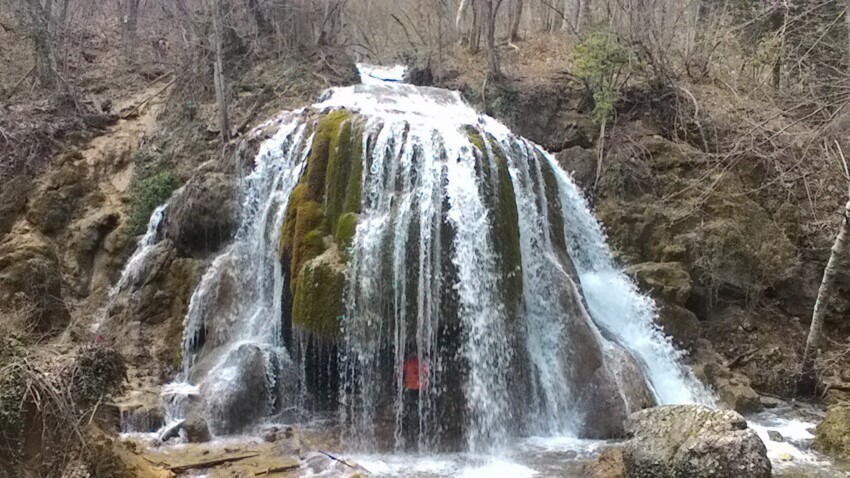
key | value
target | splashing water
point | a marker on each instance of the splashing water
(135, 265)
(473, 252)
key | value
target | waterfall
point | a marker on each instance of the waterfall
(389, 229)
(135, 265)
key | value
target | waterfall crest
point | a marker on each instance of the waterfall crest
(388, 223)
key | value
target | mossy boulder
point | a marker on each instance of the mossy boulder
(320, 222)
(318, 303)
(833, 433)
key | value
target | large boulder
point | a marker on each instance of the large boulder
(237, 391)
(203, 215)
(833, 433)
(693, 441)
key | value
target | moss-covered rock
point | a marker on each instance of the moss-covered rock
(501, 203)
(321, 220)
(833, 433)
(318, 303)
(345, 229)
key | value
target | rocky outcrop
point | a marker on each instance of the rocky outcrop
(203, 215)
(31, 284)
(833, 433)
(693, 441)
(733, 389)
(59, 194)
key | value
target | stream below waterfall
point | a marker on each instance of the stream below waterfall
(406, 279)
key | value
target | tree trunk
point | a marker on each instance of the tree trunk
(808, 382)
(493, 63)
(263, 26)
(461, 12)
(131, 22)
(218, 76)
(40, 33)
(515, 20)
(585, 20)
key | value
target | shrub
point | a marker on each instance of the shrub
(147, 195)
(603, 64)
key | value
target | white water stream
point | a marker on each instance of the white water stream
(427, 272)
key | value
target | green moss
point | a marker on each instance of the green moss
(553, 201)
(318, 305)
(307, 237)
(355, 176)
(338, 170)
(287, 233)
(507, 234)
(345, 229)
(320, 153)
(501, 203)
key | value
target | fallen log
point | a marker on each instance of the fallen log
(177, 469)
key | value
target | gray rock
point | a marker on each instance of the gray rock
(775, 436)
(197, 430)
(236, 392)
(203, 215)
(693, 441)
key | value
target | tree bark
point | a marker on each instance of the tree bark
(515, 20)
(494, 65)
(218, 76)
(808, 382)
(131, 22)
(263, 26)
(40, 33)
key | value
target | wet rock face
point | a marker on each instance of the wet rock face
(693, 441)
(237, 392)
(203, 216)
(833, 433)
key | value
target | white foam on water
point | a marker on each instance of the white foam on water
(377, 74)
(443, 466)
(794, 449)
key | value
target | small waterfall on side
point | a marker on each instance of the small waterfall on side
(135, 265)
(616, 304)
(389, 232)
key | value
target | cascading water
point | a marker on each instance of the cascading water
(135, 265)
(390, 222)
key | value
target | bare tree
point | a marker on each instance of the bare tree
(808, 381)
(516, 18)
(130, 22)
(491, 10)
(39, 24)
(218, 72)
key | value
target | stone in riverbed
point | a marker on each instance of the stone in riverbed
(833, 433)
(693, 441)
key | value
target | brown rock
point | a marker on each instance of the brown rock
(31, 284)
(665, 280)
(693, 441)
